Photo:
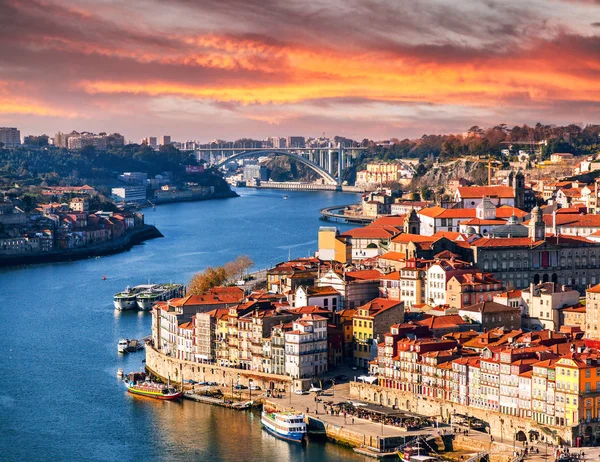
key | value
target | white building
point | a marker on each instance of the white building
(129, 194)
(544, 302)
(306, 347)
(326, 297)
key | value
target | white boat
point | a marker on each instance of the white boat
(123, 345)
(158, 293)
(120, 373)
(288, 426)
(126, 300)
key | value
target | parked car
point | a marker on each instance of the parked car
(241, 387)
(301, 392)
(254, 387)
(341, 378)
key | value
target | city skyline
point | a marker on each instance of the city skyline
(198, 70)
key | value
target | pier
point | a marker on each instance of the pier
(335, 213)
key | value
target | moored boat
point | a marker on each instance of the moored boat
(158, 293)
(289, 426)
(134, 345)
(153, 390)
(417, 451)
(126, 300)
(123, 345)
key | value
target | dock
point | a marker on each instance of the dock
(237, 405)
(374, 453)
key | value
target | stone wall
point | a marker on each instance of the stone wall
(173, 369)
(503, 427)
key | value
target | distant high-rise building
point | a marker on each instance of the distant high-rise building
(150, 141)
(277, 142)
(61, 140)
(10, 137)
(296, 142)
(256, 172)
(101, 142)
(165, 139)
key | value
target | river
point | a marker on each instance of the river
(61, 399)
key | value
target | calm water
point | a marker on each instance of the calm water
(60, 398)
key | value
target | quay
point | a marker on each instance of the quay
(369, 438)
(335, 213)
(300, 186)
(222, 402)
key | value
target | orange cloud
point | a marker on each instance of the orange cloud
(314, 75)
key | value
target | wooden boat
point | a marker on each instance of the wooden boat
(153, 390)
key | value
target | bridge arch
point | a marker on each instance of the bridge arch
(322, 172)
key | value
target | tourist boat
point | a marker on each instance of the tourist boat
(134, 345)
(126, 300)
(158, 293)
(123, 345)
(129, 346)
(416, 452)
(288, 426)
(153, 390)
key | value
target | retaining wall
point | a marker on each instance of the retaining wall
(174, 369)
(502, 426)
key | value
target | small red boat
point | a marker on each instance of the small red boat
(154, 390)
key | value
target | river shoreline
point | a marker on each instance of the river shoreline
(224, 195)
(118, 245)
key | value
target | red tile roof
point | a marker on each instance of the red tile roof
(477, 192)
(595, 289)
(395, 256)
(368, 232)
(391, 220)
(506, 211)
(364, 275)
(504, 242)
(407, 237)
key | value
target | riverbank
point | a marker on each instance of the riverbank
(197, 198)
(121, 244)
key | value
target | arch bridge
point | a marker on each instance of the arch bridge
(292, 155)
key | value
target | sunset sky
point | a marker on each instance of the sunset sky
(228, 69)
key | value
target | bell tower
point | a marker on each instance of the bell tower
(518, 184)
(537, 227)
(412, 223)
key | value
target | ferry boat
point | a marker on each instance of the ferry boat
(129, 346)
(158, 293)
(123, 345)
(153, 390)
(126, 300)
(288, 426)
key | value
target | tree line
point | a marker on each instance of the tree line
(220, 275)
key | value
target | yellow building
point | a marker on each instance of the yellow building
(369, 323)
(578, 379)
(333, 247)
